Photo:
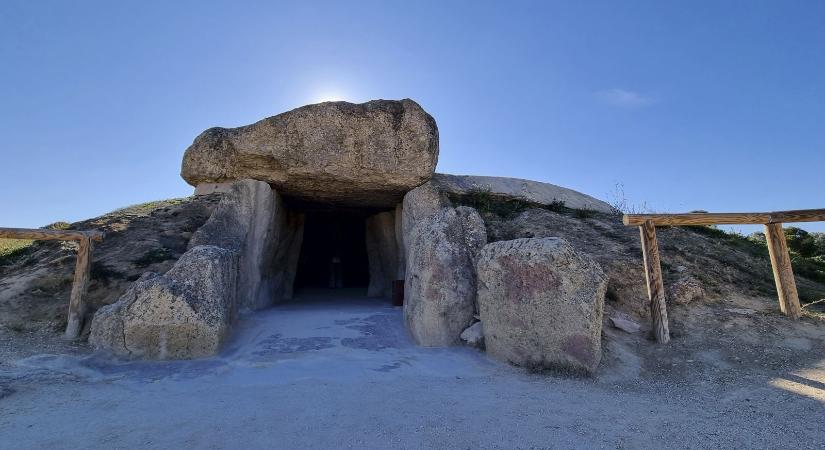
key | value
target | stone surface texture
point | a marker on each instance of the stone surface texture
(625, 324)
(246, 222)
(244, 256)
(541, 304)
(287, 252)
(419, 204)
(474, 335)
(685, 290)
(401, 269)
(382, 253)
(367, 154)
(185, 313)
(440, 287)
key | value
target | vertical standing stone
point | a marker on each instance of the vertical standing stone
(382, 253)
(440, 288)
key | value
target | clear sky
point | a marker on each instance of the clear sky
(716, 105)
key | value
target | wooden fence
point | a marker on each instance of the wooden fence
(777, 248)
(85, 239)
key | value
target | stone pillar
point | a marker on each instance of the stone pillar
(287, 254)
(246, 222)
(440, 289)
(399, 242)
(382, 253)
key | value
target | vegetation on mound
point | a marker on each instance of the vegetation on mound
(11, 248)
(743, 260)
(148, 207)
(507, 207)
(807, 252)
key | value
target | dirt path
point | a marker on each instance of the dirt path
(343, 374)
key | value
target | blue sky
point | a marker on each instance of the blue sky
(689, 105)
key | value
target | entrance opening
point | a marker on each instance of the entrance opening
(334, 252)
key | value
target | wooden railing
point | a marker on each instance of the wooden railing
(85, 239)
(777, 248)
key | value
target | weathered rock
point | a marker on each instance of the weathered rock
(288, 250)
(440, 284)
(366, 154)
(382, 253)
(419, 204)
(532, 191)
(685, 290)
(245, 255)
(614, 246)
(185, 313)
(401, 269)
(625, 324)
(474, 335)
(541, 304)
(248, 220)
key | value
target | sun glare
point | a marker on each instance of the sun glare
(330, 96)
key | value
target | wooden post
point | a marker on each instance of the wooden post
(782, 271)
(655, 283)
(77, 306)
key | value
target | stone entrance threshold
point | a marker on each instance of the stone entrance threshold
(339, 335)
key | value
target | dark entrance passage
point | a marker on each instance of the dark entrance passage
(334, 252)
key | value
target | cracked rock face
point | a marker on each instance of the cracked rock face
(440, 289)
(541, 304)
(184, 313)
(366, 154)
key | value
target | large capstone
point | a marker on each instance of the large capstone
(541, 304)
(366, 154)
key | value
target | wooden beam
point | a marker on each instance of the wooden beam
(802, 215)
(50, 235)
(77, 305)
(782, 271)
(655, 283)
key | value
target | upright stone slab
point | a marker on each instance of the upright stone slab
(382, 253)
(185, 313)
(440, 287)
(288, 250)
(401, 269)
(231, 263)
(249, 221)
(419, 204)
(541, 304)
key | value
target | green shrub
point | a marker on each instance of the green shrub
(60, 225)
(810, 268)
(800, 242)
(486, 202)
(12, 248)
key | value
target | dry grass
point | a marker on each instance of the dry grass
(11, 246)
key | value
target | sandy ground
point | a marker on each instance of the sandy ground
(342, 373)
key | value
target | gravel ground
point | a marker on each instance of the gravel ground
(342, 373)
